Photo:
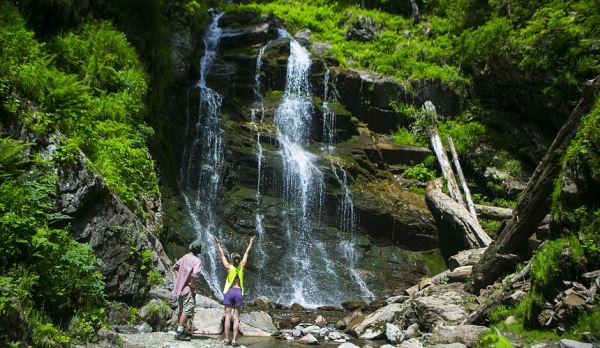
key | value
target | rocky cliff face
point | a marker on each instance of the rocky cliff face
(124, 242)
(395, 230)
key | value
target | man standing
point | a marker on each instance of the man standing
(188, 271)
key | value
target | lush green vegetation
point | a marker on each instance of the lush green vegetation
(89, 85)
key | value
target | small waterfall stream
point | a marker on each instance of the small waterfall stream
(347, 218)
(259, 110)
(203, 160)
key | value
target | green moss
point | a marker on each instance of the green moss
(434, 260)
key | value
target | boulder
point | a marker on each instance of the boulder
(207, 302)
(353, 305)
(362, 29)
(309, 339)
(303, 37)
(257, 324)
(296, 307)
(348, 345)
(411, 343)
(334, 335)
(393, 333)
(449, 345)
(320, 321)
(208, 321)
(373, 326)
(566, 343)
(468, 335)
(412, 331)
(447, 303)
(468, 257)
(313, 329)
(262, 302)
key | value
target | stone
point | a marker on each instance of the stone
(387, 346)
(207, 302)
(144, 328)
(393, 333)
(303, 37)
(447, 303)
(460, 274)
(257, 324)
(362, 29)
(467, 257)
(411, 343)
(353, 305)
(262, 302)
(373, 325)
(324, 332)
(510, 320)
(412, 331)
(296, 333)
(566, 343)
(322, 47)
(320, 321)
(309, 339)
(334, 335)
(296, 307)
(348, 345)
(208, 321)
(465, 334)
(313, 329)
(449, 345)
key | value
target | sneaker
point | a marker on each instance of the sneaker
(234, 344)
(226, 343)
(181, 336)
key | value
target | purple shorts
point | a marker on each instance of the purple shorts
(233, 298)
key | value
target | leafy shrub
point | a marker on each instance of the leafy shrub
(494, 340)
(419, 172)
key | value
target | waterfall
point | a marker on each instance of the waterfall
(347, 218)
(202, 162)
(261, 258)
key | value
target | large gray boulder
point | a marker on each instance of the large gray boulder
(373, 326)
(257, 324)
(468, 335)
(208, 321)
(446, 303)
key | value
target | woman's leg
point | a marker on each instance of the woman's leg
(227, 319)
(236, 322)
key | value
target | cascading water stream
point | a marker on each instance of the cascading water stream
(258, 217)
(347, 218)
(203, 160)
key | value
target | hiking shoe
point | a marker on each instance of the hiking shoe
(181, 336)
(226, 343)
(234, 344)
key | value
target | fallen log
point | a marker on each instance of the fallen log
(440, 154)
(534, 202)
(500, 213)
(461, 176)
(453, 220)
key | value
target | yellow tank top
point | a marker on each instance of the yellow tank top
(231, 274)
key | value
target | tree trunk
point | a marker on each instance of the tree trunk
(454, 221)
(499, 213)
(440, 153)
(534, 202)
(463, 182)
(415, 11)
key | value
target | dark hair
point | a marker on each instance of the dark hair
(195, 247)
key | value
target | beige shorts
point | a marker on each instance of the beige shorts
(187, 303)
